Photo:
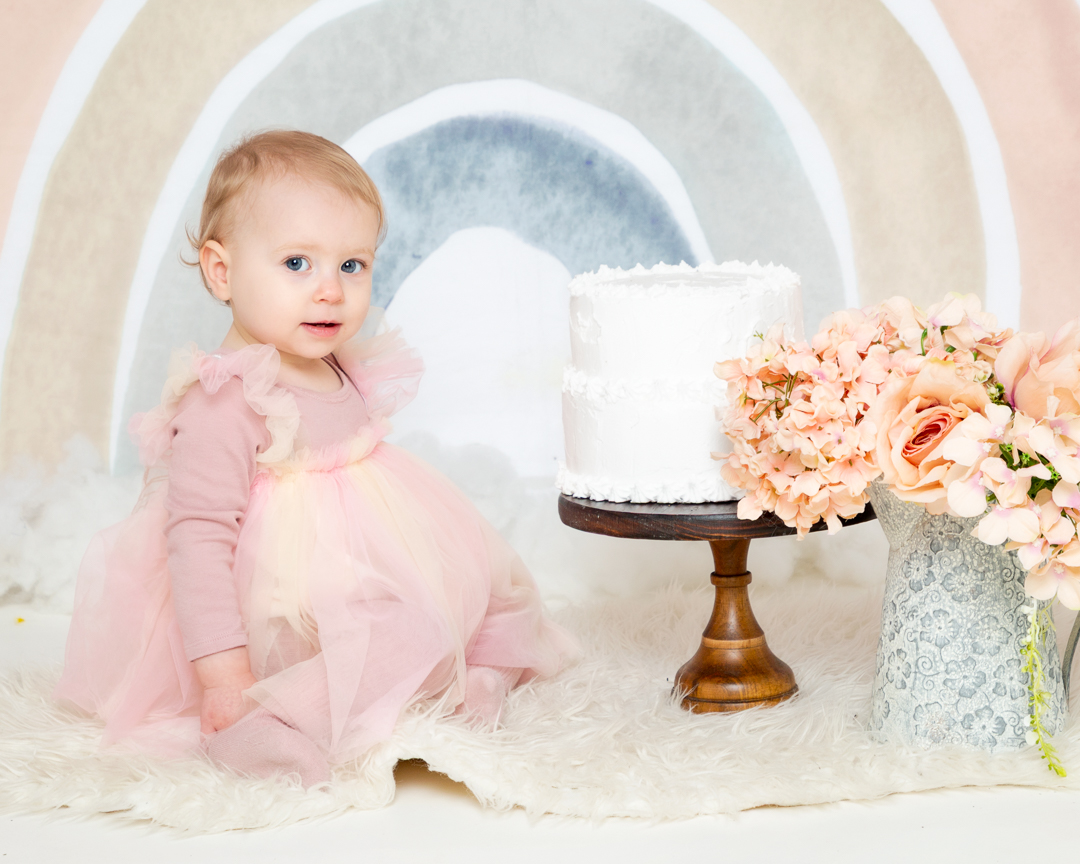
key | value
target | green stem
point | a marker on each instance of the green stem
(1039, 622)
(778, 403)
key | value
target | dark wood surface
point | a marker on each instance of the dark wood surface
(734, 668)
(676, 521)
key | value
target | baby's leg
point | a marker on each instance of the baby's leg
(485, 692)
(261, 745)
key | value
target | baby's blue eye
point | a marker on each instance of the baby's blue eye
(297, 264)
(352, 266)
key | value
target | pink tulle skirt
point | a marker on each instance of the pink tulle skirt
(366, 581)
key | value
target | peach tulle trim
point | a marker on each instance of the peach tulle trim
(383, 367)
(256, 365)
(332, 458)
(285, 577)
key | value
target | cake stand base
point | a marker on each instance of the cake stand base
(733, 668)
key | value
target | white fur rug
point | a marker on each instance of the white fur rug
(603, 739)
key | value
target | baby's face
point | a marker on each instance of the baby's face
(298, 268)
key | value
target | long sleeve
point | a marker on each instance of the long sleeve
(215, 441)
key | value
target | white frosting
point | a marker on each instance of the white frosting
(640, 399)
(649, 390)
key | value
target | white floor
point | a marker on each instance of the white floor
(436, 820)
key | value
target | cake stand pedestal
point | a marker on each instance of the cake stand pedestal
(734, 668)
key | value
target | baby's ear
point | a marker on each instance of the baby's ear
(214, 262)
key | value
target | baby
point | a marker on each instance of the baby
(289, 582)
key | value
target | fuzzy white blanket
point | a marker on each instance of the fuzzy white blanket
(603, 739)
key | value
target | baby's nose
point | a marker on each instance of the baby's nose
(329, 289)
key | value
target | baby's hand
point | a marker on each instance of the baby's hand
(224, 677)
(221, 707)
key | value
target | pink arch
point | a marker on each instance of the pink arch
(1025, 60)
(30, 63)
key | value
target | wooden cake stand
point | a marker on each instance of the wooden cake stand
(734, 668)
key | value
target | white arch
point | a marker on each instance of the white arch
(923, 24)
(521, 98)
(68, 96)
(248, 73)
(810, 146)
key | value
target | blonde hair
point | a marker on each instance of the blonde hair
(276, 154)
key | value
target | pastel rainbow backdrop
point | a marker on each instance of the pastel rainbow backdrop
(874, 147)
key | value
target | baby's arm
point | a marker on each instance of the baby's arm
(215, 442)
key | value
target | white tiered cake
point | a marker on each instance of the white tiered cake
(640, 399)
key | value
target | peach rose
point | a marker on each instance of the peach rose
(1031, 370)
(914, 417)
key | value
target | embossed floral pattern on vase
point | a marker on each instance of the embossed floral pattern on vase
(949, 669)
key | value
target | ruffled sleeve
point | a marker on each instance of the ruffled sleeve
(382, 366)
(256, 365)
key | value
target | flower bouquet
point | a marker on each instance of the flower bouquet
(947, 410)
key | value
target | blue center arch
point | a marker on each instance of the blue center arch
(554, 189)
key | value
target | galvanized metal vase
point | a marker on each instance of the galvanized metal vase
(949, 669)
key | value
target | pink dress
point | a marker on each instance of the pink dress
(364, 580)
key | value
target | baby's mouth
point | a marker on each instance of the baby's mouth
(322, 328)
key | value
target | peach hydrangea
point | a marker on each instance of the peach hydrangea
(796, 419)
(951, 412)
